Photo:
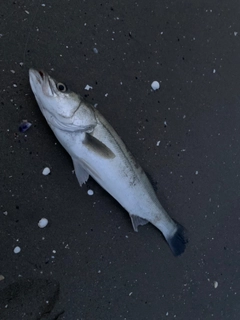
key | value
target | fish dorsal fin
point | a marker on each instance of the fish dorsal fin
(137, 221)
(98, 147)
(81, 174)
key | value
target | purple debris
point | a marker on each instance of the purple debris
(24, 126)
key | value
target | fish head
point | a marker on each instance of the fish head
(61, 107)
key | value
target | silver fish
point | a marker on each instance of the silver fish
(97, 150)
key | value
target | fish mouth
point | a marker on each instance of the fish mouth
(40, 77)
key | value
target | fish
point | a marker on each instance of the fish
(98, 151)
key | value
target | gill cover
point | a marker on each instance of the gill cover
(61, 107)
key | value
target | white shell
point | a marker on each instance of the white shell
(17, 249)
(42, 223)
(46, 171)
(155, 85)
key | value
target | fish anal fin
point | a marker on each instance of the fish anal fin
(81, 174)
(98, 147)
(137, 221)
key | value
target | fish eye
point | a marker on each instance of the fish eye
(61, 87)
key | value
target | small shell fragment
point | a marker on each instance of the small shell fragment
(1, 277)
(88, 87)
(90, 192)
(42, 223)
(24, 126)
(215, 284)
(46, 171)
(155, 85)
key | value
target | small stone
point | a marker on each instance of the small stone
(24, 126)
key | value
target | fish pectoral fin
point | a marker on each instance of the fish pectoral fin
(82, 174)
(137, 221)
(98, 147)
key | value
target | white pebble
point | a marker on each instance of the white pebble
(155, 85)
(215, 284)
(214, 71)
(17, 249)
(196, 172)
(42, 223)
(90, 192)
(46, 171)
(5, 213)
(88, 87)
(158, 143)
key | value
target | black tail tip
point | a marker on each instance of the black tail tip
(178, 241)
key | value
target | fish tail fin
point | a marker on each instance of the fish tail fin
(178, 240)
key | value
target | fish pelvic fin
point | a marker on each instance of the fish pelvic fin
(137, 221)
(98, 147)
(81, 174)
(177, 241)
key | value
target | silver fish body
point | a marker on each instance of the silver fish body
(97, 150)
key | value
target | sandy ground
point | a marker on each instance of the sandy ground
(88, 263)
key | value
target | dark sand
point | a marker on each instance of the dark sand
(102, 269)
